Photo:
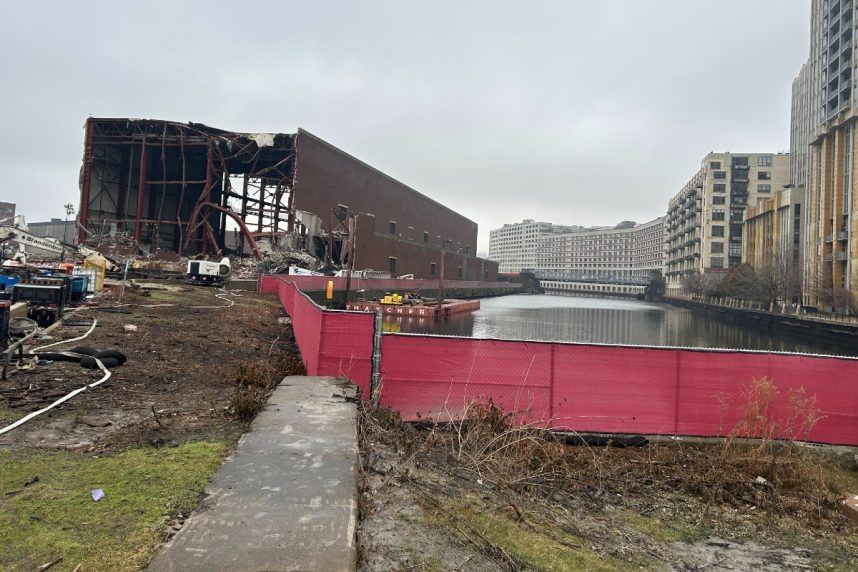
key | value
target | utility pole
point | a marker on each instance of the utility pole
(441, 278)
(69, 211)
(350, 248)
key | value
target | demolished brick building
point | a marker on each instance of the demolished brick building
(171, 188)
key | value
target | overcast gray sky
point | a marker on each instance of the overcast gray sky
(574, 112)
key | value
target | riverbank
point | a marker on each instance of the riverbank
(797, 325)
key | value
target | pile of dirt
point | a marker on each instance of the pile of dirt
(187, 349)
(484, 493)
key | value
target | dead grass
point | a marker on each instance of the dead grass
(493, 481)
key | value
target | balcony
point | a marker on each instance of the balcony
(842, 235)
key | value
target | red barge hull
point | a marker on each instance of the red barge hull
(448, 308)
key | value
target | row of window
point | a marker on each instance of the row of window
(595, 287)
(433, 268)
(761, 175)
(722, 188)
(762, 161)
(446, 243)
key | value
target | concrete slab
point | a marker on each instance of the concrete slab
(286, 498)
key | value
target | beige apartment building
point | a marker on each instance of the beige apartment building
(823, 126)
(772, 232)
(513, 246)
(623, 252)
(704, 226)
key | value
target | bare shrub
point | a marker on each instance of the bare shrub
(757, 464)
(247, 402)
(256, 379)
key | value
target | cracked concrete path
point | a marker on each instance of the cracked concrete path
(285, 500)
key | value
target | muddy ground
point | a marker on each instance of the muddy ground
(183, 345)
(431, 500)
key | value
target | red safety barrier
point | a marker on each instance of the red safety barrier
(570, 386)
(332, 342)
(613, 389)
(320, 283)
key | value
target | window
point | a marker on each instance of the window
(764, 175)
(467, 249)
(393, 227)
(715, 165)
(719, 174)
(718, 214)
(717, 248)
(719, 188)
(717, 230)
(433, 269)
(717, 262)
(425, 237)
(764, 161)
(459, 273)
(391, 265)
(719, 200)
(764, 188)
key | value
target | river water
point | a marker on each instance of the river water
(568, 318)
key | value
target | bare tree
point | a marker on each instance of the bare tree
(692, 284)
(779, 276)
(742, 282)
(703, 284)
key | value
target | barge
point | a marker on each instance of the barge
(447, 308)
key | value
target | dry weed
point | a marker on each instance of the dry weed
(256, 379)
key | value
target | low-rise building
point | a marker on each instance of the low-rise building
(705, 219)
(57, 228)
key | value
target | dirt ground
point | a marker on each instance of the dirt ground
(430, 501)
(183, 347)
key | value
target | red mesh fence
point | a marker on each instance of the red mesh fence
(320, 283)
(580, 387)
(332, 342)
(615, 389)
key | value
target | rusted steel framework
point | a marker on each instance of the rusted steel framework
(172, 186)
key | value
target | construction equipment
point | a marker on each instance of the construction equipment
(18, 233)
(45, 301)
(208, 273)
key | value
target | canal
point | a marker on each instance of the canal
(567, 318)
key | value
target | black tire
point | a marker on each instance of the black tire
(55, 356)
(83, 350)
(112, 354)
(89, 362)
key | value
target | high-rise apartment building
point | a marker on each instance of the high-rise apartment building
(513, 246)
(704, 220)
(825, 93)
(624, 252)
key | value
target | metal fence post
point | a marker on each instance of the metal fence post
(375, 378)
